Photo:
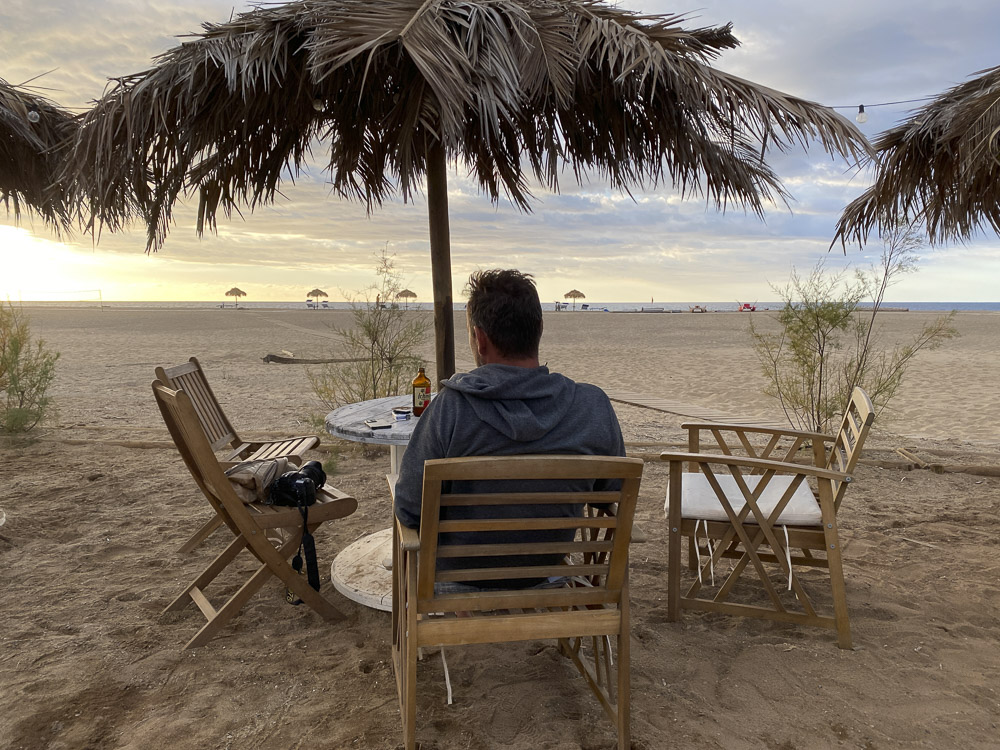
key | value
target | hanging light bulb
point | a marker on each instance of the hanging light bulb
(862, 115)
(33, 116)
(319, 105)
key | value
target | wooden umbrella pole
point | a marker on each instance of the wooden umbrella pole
(437, 215)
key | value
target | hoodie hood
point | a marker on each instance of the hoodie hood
(523, 403)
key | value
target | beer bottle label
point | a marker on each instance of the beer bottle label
(421, 397)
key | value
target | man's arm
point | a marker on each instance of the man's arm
(424, 444)
(615, 447)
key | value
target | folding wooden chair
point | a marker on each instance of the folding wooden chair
(594, 605)
(221, 434)
(249, 523)
(760, 511)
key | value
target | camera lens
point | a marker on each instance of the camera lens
(314, 471)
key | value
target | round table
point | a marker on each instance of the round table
(363, 570)
(348, 422)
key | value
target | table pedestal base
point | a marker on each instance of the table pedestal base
(359, 574)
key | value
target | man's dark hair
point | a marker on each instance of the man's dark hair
(504, 305)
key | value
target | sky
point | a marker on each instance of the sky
(613, 247)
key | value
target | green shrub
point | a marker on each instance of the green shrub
(828, 344)
(27, 369)
(380, 347)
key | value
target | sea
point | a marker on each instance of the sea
(650, 307)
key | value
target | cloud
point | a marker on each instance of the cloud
(85, 43)
(619, 247)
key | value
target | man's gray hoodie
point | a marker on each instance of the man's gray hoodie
(505, 410)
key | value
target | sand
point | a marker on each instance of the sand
(99, 501)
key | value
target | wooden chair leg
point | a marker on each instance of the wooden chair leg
(601, 661)
(217, 566)
(409, 704)
(409, 676)
(201, 534)
(839, 591)
(835, 565)
(231, 608)
(674, 543)
(624, 698)
(298, 584)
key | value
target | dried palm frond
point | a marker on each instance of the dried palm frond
(31, 127)
(940, 167)
(510, 88)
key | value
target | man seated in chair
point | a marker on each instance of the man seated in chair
(510, 404)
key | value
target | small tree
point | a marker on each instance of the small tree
(27, 369)
(828, 343)
(381, 346)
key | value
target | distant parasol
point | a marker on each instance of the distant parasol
(237, 293)
(574, 294)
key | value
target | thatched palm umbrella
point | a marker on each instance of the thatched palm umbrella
(511, 88)
(574, 294)
(315, 294)
(237, 293)
(406, 295)
(30, 128)
(941, 167)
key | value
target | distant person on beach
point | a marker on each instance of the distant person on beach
(510, 404)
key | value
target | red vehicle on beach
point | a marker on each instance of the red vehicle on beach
(747, 307)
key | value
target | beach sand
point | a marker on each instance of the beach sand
(97, 504)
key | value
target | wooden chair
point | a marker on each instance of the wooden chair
(249, 523)
(221, 434)
(595, 605)
(766, 506)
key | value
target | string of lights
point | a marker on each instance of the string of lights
(862, 116)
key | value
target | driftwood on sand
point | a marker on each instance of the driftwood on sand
(298, 361)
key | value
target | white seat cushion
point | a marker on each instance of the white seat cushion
(698, 499)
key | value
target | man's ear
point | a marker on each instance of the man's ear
(482, 340)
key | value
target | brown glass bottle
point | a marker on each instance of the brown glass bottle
(421, 393)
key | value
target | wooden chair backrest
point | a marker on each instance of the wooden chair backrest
(599, 551)
(850, 438)
(191, 378)
(185, 428)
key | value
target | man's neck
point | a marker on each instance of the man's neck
(486, 353)
(512, 362)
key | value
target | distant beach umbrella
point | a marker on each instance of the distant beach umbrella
(30, 129)
(315, 294)
(237, 293)
(513, 89)
(574, 294)
(406, 295)
(940, 167)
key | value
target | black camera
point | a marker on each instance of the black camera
(298, 488)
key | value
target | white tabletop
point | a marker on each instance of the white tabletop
(348, 422)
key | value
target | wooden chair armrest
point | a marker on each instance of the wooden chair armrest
(779, 467)
(327, 492)
(331, 504)
(242, 451)
(409, 539)
(784, 432)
